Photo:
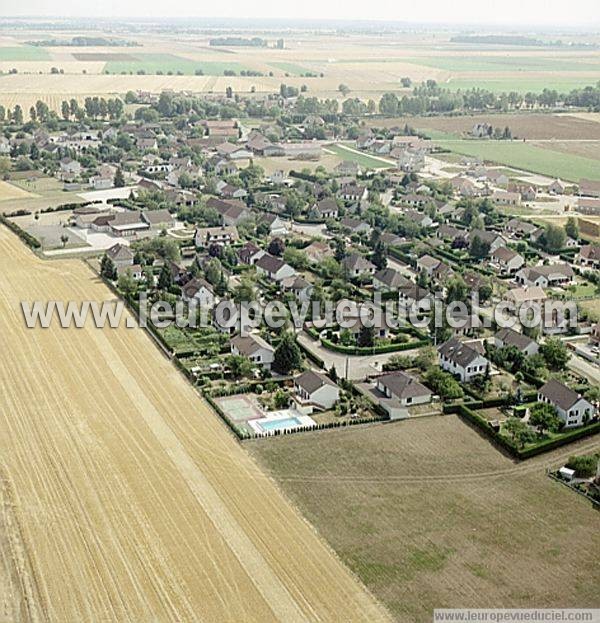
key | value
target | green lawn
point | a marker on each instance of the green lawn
(362, 159)
(513, 64)
(23, 53)
(526, 157)
(291, 68)
(504, 83)
(152, 63)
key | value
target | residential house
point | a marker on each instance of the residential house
(403, 388)
(414, 298)
(273, 268)
(509, 337)
(356, 265)
(589, 256)
(254, 348)
(299, 287)
(223, 236)
(326, 208)
(315, 390)
(200, 291)
(69, 169)
(465, 360)
(572, 408)
(276, 225)
(506, 260)
(519, 228)
(231, 211)
(158, 219)
(121, 256)
(355, 226)
(492, 238)
(529, 295)
(556, 188)
(388, 280)
(250, 253)
(128, 223)
(316, 251)
(354, 193)
(506, 198)
(547, 275)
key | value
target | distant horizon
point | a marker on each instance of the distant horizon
(533, 16)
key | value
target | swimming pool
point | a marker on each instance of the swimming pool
(280, 424)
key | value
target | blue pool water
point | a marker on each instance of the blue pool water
(290, 422)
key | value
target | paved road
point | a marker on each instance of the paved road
(586, 368)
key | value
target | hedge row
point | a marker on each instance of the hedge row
(27, 238)
(373, 350)
(466, 411)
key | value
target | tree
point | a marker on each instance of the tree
(17, 115)
(585, 466)
(119, 180)
(379, 256)
(281, 399)
(572, 228)
(519, 431)
(443, 384)
(479, 248)
(276, 247)
(107, 268)
(555, 353)
(344, 89)
(544, 417)
(165, 278)
(366, 337)
(426, 358)
(287, 356)
(64, 239)
(239, 366)
(554, 238)
(127, 284)
(457, 290)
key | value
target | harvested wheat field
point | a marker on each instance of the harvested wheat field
(128, 498)
(430, 515)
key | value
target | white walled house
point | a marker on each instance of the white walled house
(572, 408)
(463, 359)
(200, 291)
(274, 268)
(315, 389)
(255, 348)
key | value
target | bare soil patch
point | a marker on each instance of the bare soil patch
(103, 56)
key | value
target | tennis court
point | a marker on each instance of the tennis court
(239, 408)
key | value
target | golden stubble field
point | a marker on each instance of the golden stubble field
(430, 515)
(123, 497)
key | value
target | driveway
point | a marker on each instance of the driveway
(353, 367)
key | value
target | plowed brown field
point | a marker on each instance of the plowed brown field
(123, 496)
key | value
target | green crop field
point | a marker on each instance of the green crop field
(291, 68)
(165, 63)
(23, 53)
(527, 157)
(504, 83)
(513, 64)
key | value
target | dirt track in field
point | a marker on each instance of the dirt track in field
(123, 496)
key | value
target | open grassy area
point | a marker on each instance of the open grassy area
(152, 63)
(363, 160)
(525, 156)
(429, 515)
(291, 68)
(23, 53)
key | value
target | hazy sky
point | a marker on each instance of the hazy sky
(542, 12)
